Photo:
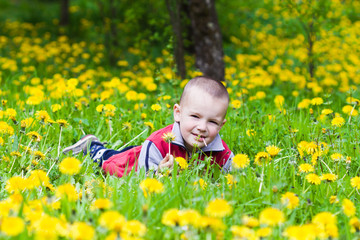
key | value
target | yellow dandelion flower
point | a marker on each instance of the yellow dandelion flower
(236, 103)
(182, 162)
(242, 232)
(15, 154)
(171, 217)
(188, 217)
(27, 122)
(326, 223)
(326, 111)
(271, 217)
(260, 95)
(250, 222)
(348, 207)
(336, 157)
(306, 168)
(338, 121)
(218, 208)
(133, 228)
(306, 231)
(330, 177)
(156, 107)
(305, 103)
(38, 178)
(273, 150)
(279, 101)
(151, 185)
(131, 95)
(101, 203)
(112, 220)
(263, 232)
(122, 63)
(303, 145)
(12, 226)
(333, 199)
(251, 132)
(355, 182)
(47, 227)
(240, 161)
(39, 155)
(109, 108)
(355, 224)
(291, 200)
(324, 218)
(100, 108)
(313, 178)
(1, 141)
(55, 107)
(312, 148)
(67, 191)
(168, 137)
(143, 115)
(34, 136)
(62, 123)
(70, 166)
(230, 180)
(348, 109)
(317, 101)
(216, 224)
(15, 184)
(315, 158)
(262, 157)
(11, 113)
(78, 106)
(272, 118)
(82, 231)
(149, 125)
(42, 116)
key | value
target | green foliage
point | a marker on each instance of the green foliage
(273, 103)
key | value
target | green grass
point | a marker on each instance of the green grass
(38, 70)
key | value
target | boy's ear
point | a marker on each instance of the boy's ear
(223, 123)
(177, 112)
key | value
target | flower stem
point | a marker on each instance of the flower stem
(59, 142)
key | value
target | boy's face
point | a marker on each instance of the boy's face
(201, 116)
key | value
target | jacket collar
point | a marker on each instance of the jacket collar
(215, 146)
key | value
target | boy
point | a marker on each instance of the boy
(198, 120)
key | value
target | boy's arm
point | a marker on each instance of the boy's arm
(228, 165)
(150, 156)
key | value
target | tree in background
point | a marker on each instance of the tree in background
(207, 38)
(312, 16)
(194, 20)
(64, 12)
(175, 10)
(205, 33)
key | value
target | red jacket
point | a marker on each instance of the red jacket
(125, 161)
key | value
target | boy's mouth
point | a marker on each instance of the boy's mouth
(199, 137)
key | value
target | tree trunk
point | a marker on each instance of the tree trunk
(64, 12)
(113, 33)
(108, 13)
(174, 9)
(207, 38)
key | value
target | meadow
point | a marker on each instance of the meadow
(294, 133)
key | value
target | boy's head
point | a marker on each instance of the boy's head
(201, 112)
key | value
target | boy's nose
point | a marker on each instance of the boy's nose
(201, 126)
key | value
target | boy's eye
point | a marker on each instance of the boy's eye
(194, 116)
(214, 122)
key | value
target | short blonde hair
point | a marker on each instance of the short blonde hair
(209, 85)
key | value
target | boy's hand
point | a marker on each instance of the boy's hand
(167, 162)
